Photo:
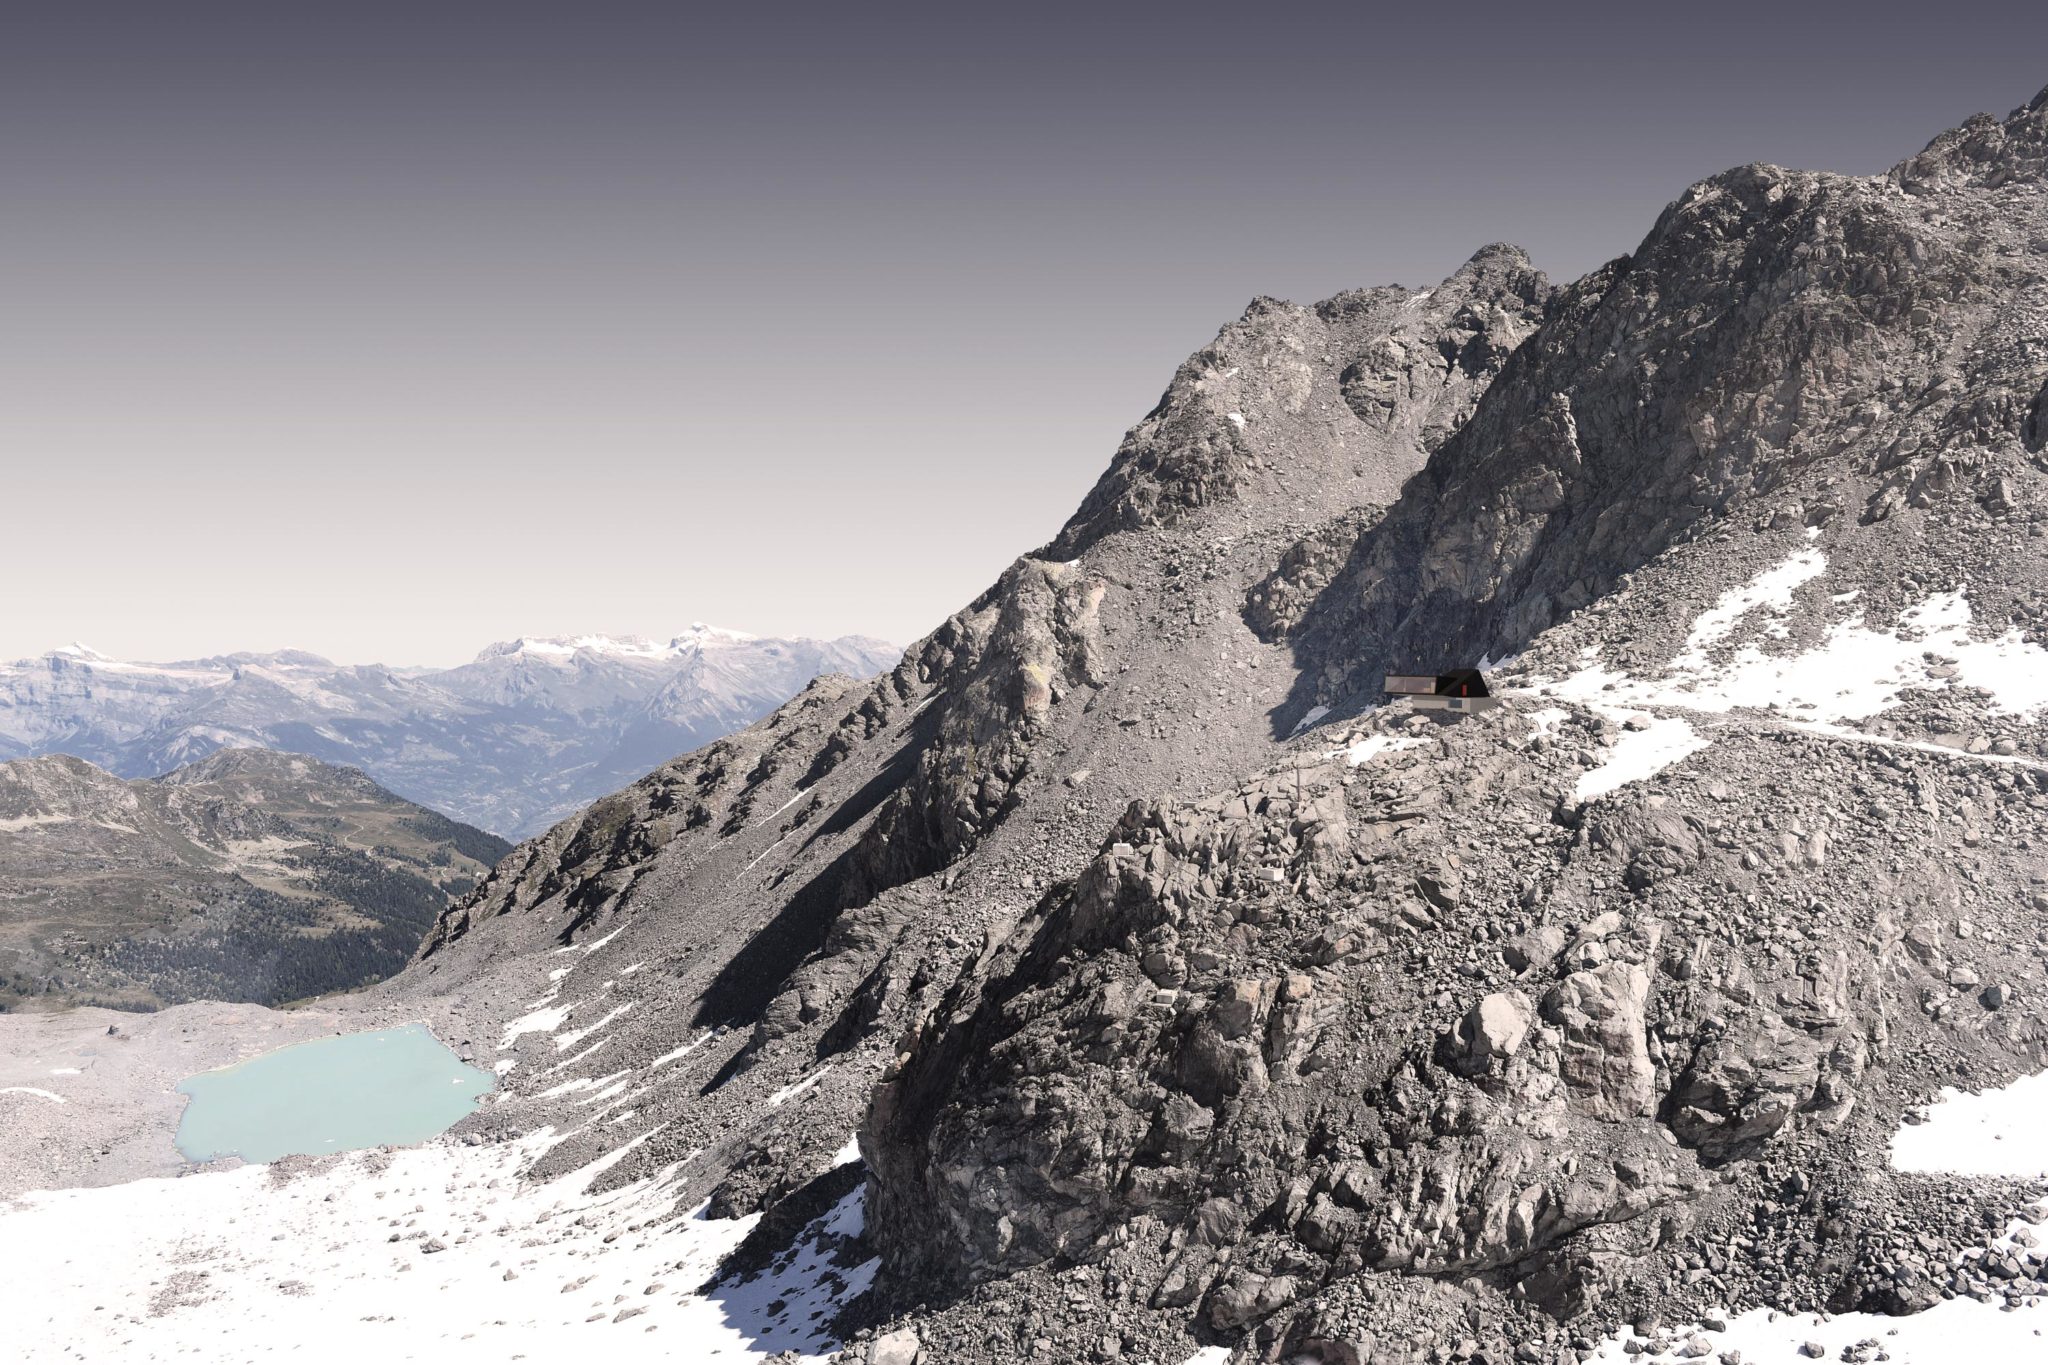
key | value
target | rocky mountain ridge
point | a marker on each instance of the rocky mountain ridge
(528, 731)
(1182, 995)
(249, 875)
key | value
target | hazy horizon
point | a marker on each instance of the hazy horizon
(72, 647)
(387, 334)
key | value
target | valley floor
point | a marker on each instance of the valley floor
(80, 1106)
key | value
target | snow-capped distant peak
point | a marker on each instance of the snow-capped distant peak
(699, 635)
(565, 647)
(83, 652)
(568, 646)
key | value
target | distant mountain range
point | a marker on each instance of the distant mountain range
(249, 875)
(529, 731)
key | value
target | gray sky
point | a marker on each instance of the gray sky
(392, 332)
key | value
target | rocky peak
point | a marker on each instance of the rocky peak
(226, 764)
(701, 636)
(571, 648)
(1327, 407)
(54, 784)
(1801, 337)
(1983, 153)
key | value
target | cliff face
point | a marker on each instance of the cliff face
(1181, 994)
(1331, 406)
(1442, 1002)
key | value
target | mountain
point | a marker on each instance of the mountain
(1120, 977)
(249, 875)
(512, 741)
(1183, 994)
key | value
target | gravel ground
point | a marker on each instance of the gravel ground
(116, 1108)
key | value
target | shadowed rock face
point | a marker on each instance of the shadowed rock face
(1169, 986)
(1242, 1017)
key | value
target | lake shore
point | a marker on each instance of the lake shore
(80, 1107)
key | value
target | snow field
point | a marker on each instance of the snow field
(436, 1253)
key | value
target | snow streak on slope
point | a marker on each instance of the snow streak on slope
(1956, 1330)
(1371, 747)
(1770, 590)
(1855, 673)
(31, 1090)
(439, 1253)
(1655, 745)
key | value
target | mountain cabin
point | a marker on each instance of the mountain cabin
(1462, 690)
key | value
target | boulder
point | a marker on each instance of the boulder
(1537, 948)
(900, 1347)
(1495, 1029)
(1606, 1061)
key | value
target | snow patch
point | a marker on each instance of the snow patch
(790, 1092)
(1954, 1330)
(807, 791)
(1366, 750)
(595, 944)
(1995, 1133)
(577, 1084)
(1640, 754)
(31, 1090)
(1544, 720)
(565, 1041)
(1770, 591)
(1854, 673)
(763, 853)
(546, 1019)
(1310, 717)
(685, 1050)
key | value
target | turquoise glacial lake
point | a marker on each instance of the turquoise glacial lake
(396, 1085)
